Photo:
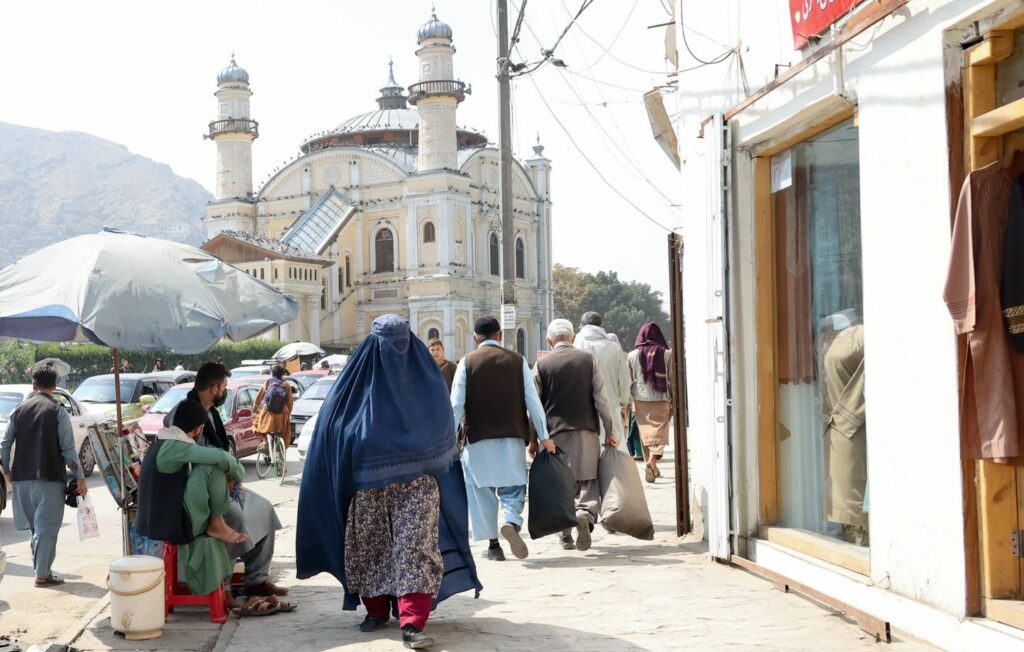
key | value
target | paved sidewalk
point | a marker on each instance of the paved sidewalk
(621, 595)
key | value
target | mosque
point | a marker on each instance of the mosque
(392, 211)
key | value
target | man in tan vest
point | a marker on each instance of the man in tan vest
(493, 391)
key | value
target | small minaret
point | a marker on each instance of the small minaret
(391, 96)
(436, 97)
(233, 130)
(539, 168)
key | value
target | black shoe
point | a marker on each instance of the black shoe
(372, 623)
(414, 639)
(515, 541)
(496, 554)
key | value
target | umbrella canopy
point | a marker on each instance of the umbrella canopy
(59, 366)
(128, 291)
(289, 351)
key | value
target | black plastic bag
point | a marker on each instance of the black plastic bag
(552, 494)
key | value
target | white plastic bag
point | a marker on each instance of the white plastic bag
(88, 526)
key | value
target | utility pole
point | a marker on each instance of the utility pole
(508, 258)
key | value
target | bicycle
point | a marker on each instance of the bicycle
(271, 455)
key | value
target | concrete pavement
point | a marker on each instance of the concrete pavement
(622, 595)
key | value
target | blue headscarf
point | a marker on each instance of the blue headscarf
(388, 419)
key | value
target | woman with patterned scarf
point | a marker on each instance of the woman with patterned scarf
(651, 390)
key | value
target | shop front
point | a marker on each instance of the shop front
(819, 308)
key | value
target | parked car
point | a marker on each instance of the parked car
(307, 378)
(310, 403)
(236, 413)
(12, 395)
(3, 555)
(253, 368)
(138, 392)
(305, 436)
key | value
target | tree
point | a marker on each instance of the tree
(625, 305)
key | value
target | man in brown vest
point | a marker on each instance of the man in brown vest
(41, 429)
(571, 388)
(494, 391)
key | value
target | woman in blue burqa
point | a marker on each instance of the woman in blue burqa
(383, 500)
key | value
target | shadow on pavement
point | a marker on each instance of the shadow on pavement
(602, 557)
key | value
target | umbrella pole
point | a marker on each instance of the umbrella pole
(122, 454)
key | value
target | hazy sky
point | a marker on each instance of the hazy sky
(144, 76)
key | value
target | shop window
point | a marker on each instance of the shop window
(819, 307)
(384, 250)
(495, 255)
(520, 258)
(428, 232)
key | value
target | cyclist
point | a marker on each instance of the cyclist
(274, 408)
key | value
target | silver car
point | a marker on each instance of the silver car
(309, 403)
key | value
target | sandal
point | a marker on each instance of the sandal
(649, 475)
(52, 580)
(256, 607)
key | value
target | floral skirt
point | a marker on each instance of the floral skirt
(391, 540)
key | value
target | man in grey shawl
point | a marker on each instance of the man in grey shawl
(610, 357)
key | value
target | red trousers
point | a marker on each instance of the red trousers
(413, 608)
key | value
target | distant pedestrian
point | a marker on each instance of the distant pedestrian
(180, 366)
(612, 360)
(325, 365)
(158, 365)
(447, 367)
(41, 430)
(652, 393)
(572, 390)
(274, 408)
(494, 390)
(383, 504)
(126, 367)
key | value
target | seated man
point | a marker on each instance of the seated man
(186, 507)
(249, 513)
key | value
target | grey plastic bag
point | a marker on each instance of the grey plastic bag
(623, 503)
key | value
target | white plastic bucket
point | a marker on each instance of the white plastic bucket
(136, 586)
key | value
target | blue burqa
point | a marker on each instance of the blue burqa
(387, 419)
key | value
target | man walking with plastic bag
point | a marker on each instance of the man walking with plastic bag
(571, 388)
(494, 391)
(41, 428)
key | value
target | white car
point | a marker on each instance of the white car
(12, 395)
(306, 435)
(309, 403)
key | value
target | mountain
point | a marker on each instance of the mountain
(56, 185)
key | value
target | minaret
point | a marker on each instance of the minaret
(436, 97)
(233, 130)
(391, 96)
(539, 168)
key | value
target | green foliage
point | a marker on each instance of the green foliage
(15, 359)
(91, 359)
(625, 305)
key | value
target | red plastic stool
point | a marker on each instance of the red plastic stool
(177, 594)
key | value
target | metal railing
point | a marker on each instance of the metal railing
(436, 87)
(234, 126)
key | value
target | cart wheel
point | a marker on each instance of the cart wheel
(87, 458)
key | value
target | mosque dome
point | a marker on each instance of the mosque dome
(433, 28)
(233, 73)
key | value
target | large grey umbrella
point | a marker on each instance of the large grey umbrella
(128, 291)
(289, 351)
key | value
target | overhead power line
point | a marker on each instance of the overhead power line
(591, 163)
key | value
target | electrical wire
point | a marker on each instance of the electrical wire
(622, 28)
(686, 44)
(591, 163)
(609, 53)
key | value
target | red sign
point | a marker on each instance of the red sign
(812, 17)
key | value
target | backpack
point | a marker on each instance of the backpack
(276, 398)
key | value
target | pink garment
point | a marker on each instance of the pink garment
(992, 405)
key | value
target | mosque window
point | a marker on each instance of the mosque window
(521, 341)
(428, 232)
(348, 271)
(433, 334)
(495, 255)
(341, 278)
(520, 258)
(384, 250)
